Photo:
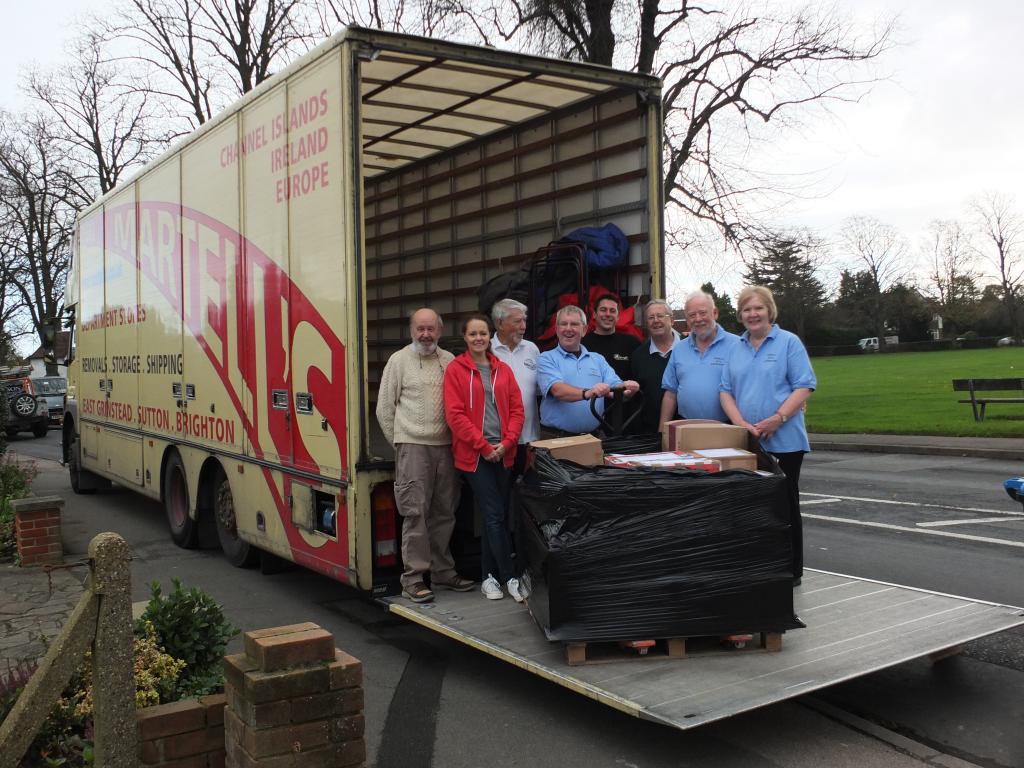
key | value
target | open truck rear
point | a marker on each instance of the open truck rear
(235, 303)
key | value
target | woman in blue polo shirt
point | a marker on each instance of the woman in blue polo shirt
(765, 383)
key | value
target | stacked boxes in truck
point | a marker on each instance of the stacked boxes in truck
(236, 301)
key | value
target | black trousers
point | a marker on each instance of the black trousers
(790, 464)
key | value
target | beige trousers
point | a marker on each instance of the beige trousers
(426, 493)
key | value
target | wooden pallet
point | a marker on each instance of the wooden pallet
(579, 654)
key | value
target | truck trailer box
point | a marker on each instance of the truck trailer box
(236, 301)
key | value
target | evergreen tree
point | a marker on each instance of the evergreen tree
(787, 264)
(726, 311)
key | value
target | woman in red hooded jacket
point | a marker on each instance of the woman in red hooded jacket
(485, 413)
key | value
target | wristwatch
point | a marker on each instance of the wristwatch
(784, 418)
(583, 394)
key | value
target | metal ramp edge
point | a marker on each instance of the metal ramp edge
(855, 627)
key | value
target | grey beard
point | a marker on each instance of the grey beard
(424, 349)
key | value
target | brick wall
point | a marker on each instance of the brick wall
(293, 700)
(183, 734)
(37, 530)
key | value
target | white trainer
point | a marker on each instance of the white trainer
(514, 590)
(491, 589)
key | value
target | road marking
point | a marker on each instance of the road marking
(930, 532)
(940, 523)
(915, 504)
(805, 502)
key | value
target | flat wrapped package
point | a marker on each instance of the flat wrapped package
(617, 554)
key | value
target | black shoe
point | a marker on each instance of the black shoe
(796, 581)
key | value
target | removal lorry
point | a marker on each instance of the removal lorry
(235, 302)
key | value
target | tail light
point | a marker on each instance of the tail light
(385, 525)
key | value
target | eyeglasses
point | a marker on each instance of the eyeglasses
(661, 316)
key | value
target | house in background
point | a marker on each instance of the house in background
(60, 354)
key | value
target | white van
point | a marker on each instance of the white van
(869, 344)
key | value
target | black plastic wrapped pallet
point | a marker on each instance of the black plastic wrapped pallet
(619, 554)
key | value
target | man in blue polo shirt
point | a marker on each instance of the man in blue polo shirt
(694, 371)
(569, 376)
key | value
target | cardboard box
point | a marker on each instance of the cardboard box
(581, 449)
(731, 458)
(668, 434)
(662, 460)
(692, 435)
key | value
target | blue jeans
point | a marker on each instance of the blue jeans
(490, 491)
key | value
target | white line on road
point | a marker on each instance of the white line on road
(805, 502)
(941, 523)
(890, 527)
(914, 504)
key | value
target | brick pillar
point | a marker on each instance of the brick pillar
(37, 530)
(293, 700)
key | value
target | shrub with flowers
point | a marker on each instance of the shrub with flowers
(65, 739)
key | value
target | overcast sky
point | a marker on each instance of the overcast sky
(945, 126)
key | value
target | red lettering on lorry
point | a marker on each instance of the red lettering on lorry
(167, 234)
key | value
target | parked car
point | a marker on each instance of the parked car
(1006, 341)
(869, 344)
(53, 389)
(27, 411)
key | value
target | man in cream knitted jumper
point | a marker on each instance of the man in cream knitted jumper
(410, 409)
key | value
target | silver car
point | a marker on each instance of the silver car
(52, 389)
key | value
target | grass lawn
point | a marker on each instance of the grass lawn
(911, 393)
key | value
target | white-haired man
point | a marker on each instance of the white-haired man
(569, 377)
(410, 409)
(649, 362)
(694, 371)
(521, 355)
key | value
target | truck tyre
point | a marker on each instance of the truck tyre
(75, 470)
(184, 530)
(239, 553)
(40, 430)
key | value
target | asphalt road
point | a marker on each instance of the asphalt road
(944, 524)
(435, 702)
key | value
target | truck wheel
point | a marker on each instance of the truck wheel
(75, 470)
(40, 430)
(239, 553)
(184, 530)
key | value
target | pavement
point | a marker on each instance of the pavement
(1002, 448)
(34, 605)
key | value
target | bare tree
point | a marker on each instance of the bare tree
(880, 251)
(728, 73)
(1001, 228)
(952, 277)
(250, 37)
(203, 54)
(448, 19)
(39, 199)
(105, 124)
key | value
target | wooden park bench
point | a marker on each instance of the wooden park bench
(974, 386)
